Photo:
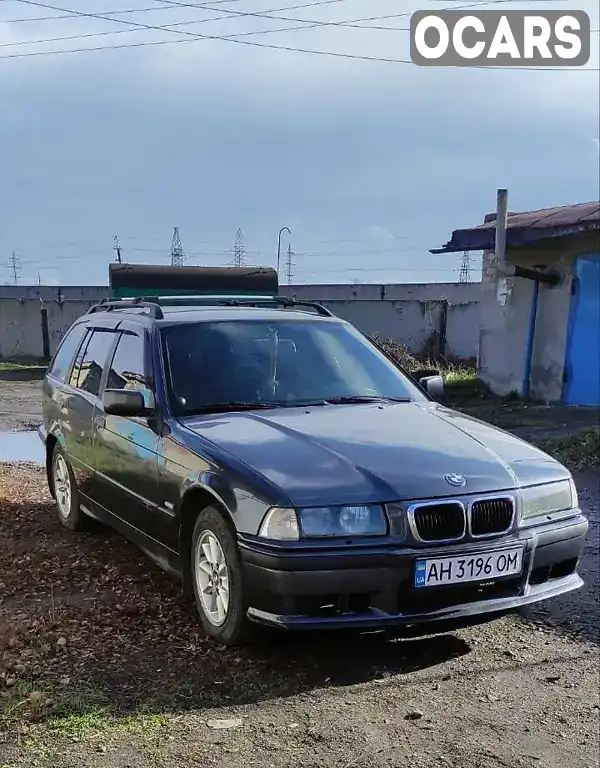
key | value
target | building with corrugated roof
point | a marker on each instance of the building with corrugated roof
(540, 304)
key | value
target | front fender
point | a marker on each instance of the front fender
(212, 484)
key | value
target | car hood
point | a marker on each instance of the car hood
(344, 454)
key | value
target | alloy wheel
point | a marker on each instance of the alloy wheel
(212, 578)
(62, 487)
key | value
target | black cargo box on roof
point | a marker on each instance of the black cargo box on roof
(132, 280)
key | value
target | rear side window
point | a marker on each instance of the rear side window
(88, 368)
(59, 368)
(127, 370)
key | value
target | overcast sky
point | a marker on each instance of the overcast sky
(369, 163)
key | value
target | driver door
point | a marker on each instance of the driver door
(125, 448)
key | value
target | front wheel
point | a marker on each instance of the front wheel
(217, 579)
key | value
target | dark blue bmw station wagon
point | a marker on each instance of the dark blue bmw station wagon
(291, 474)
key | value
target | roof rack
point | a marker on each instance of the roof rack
(239, 301)
(155, 303)
(108, 306)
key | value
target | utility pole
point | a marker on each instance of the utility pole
(118, 250)
(281, 231)
(15, 268)
(290, 264)
(39, 278)
(465, 268)
(238, 250)
(501, 225)
(177, 254)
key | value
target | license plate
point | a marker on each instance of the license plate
(439, 571)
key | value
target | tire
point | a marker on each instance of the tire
(70, 514)
(216, 566)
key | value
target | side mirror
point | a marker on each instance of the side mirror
(124, 402)
(434, 385)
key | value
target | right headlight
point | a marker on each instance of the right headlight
(547, 499)
(357, 520)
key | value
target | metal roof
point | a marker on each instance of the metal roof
(527, 227)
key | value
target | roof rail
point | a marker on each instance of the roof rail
(280, 301)
(108, 306)
(155, 303)
(237, 301)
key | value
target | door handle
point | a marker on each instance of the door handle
(99, 422)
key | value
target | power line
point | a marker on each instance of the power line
(118, 12)
(126, 11)
(335, 54)
(177, 254)
(193, 36)
(189, 35)
(231, 14)
(311, 23)
(439, 268)
(301, 24)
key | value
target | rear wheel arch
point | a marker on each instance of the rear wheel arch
(51, 443)
(193, 502)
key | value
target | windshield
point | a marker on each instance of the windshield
(227, 364)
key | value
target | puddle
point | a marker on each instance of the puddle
(21, 446)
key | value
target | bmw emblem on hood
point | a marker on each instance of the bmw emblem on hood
(457, 480)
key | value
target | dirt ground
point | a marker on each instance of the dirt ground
(104, 665)
(20, 405)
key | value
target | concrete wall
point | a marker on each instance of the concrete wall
(21, 325)
(506, 317)
(412, 315)
(92, 293)
(407, 314)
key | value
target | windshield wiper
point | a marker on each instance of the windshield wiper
(349, 399)
(248, 405)
(234, 405)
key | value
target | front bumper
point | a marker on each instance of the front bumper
(373, 588)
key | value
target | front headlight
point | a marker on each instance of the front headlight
(548, 498)
(324, 522)
(360, 520)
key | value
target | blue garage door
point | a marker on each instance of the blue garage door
(583, 351)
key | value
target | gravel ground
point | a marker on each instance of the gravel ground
(88, 626)
(104, 665)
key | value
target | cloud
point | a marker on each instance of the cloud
(209, 136)
(377, 232)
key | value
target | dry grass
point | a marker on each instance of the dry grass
(580, 451)
(461, 382)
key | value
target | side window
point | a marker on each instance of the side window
(87, 371)
(63, 358)
(76, 369)
(127, 370)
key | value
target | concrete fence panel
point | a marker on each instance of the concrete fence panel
(21, 334)
(425, 318)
